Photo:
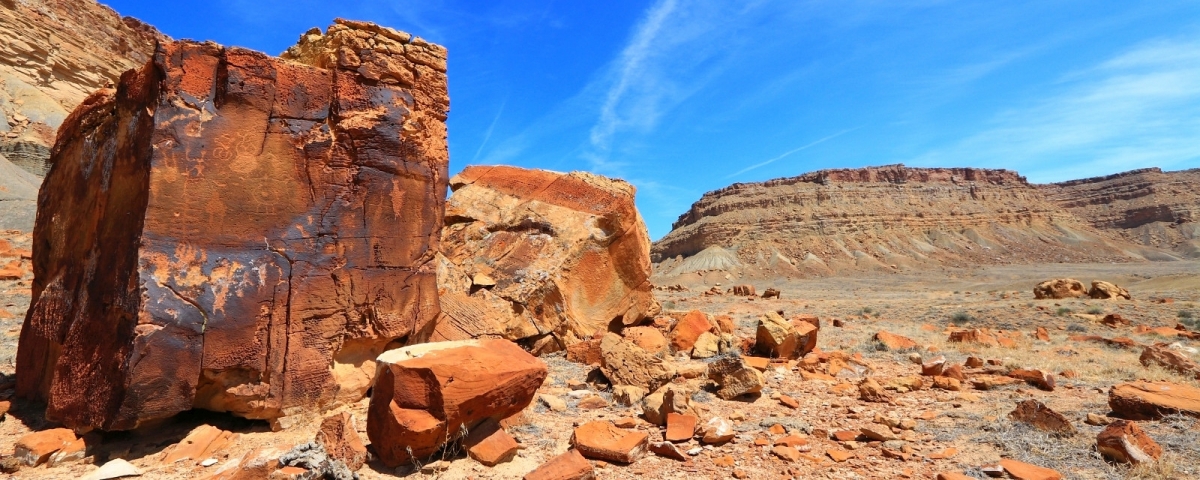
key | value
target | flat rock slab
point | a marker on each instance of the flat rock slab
(427, 394)
(602, 440)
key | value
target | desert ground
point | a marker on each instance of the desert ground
(942, 431)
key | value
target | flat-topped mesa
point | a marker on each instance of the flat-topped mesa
(235, 232)
(1148, 206)
(884, 218)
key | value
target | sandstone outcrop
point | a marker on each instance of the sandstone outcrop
(263, 229)
(53, 54)
(1162, 355)
(541, 257)
(1149, 207)
(428, 394)
(876, 219)
(1059, 288)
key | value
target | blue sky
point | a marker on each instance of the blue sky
(682, 97)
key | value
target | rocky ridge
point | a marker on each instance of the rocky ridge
(1148, 207)
(53, 54)
(884, 218)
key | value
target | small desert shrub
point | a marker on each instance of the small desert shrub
(1095, 310)
(1075, 327)
(961, 317)
(668, 305)
(1062, 311)
(1185, 314)
(865, 311)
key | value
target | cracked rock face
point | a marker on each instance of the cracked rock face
(231, 231)
(541, 257)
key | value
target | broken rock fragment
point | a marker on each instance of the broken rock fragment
(734, 378)
(566, 256)
(602, 440)
(341, 440)
(1042, 417)
(1124, 441)
(428, 394)
(568, 466)
(263, 228)
(36, 448)
(625, 363)
(1152, 400)
(1107, 291)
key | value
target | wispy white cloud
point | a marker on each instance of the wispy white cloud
(790, 152)
(491, 128)
(1137, 109)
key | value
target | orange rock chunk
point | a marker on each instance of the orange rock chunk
(602, 440)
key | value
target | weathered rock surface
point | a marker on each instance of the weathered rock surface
(263, 229)
(1124, 441)
(542, 257)
(876, 219)
(18, 197)
(602, 440)
(568, 466)
(788, 339)
(1060, 288)
(1041, 417)
(53, 54)
(35, 448)
(1107, 291)
(425, 395)
(734, 378)
(1152, 400)
(625, 363)
(341, 440)
(1156, 209)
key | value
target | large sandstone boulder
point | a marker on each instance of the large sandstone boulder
(542, 257)
(1107, 291)
(1152, 400)
(235, 232)
(779, 338)
(428, 394)
(1060, 288)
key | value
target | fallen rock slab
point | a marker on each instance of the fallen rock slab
(36, 448)
(1025, 471)
(1124, 441)
(1152, 400)
(1161, 355)
(490, 445)
(602, 440)
(893, 341)
(424, 395)
(1040, 416)
(568, 466)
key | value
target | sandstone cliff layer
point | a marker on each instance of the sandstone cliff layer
(53, 54)
(887, 218)
(235, 232)
(1148, 207)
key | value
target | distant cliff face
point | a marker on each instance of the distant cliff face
(53, 54)
(886, 218)
(1148, 207)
